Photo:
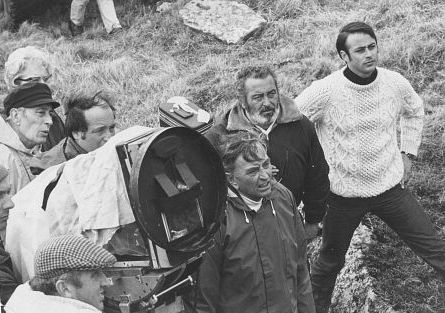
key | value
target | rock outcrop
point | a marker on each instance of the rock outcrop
(229, 21)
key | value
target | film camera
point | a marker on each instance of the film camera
(176, 184)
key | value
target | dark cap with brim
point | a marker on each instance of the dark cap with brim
(30, 95)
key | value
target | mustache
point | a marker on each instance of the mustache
(267, 109)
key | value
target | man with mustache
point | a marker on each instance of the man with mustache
(25, 129)
(254, 265)
(356, 111)
(293, 146)
(68, 277)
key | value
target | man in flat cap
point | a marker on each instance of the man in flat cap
(25, 128)
(68, 278)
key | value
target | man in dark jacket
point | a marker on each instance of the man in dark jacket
(8, 282)
(90, 122)
(293, 146)
(253, 267)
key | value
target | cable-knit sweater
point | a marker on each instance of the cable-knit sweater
(357, 128)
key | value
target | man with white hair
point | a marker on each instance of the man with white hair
(68, 277)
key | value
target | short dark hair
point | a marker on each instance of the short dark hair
(352, 28)
(252, 71)
(77, 105)
(242, 143)
(48, 285)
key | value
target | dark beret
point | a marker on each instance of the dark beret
(30, 95)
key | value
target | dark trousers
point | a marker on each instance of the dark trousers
(398, 209)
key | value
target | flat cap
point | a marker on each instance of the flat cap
(63, 254)
(29, 95)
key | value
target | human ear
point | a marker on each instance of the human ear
(232, 181)
(79, 135)
(14, 116)
(344, 56)
(64, 289)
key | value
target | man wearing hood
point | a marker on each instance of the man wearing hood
(25, 129)
(254, 265)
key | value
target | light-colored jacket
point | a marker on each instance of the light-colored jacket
(15, 157)
(26, 300)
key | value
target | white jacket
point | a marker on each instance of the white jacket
(15, 157)
(26, 300)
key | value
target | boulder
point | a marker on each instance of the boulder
(229, 21)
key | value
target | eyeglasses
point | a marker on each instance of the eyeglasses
(43, 79)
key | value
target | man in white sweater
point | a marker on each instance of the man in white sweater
(355, 111)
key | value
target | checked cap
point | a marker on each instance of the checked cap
(60, 255)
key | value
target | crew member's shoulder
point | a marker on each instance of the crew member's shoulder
(395, 79)
(391, 75)
(279, 190)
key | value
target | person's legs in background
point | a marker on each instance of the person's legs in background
(77, 16)
(108, 14)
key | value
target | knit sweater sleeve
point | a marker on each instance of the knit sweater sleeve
(411, 121)
(313, 101)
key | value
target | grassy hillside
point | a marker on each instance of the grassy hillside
(158, 57)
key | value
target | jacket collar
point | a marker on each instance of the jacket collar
(237, 119)
(239, 203)
(72, 149)
(10, 138)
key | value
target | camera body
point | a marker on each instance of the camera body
(177, 190)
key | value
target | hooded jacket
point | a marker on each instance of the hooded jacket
(15, 157)
(293, 148)
(255, 265)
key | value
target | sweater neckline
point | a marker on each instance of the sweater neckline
(350, 75)
(356, 86)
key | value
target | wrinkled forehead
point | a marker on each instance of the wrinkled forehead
(252, 158)
(260, 84)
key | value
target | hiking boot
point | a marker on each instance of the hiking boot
(75, 30)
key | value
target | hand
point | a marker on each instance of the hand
(312, 230)
(407, 164)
